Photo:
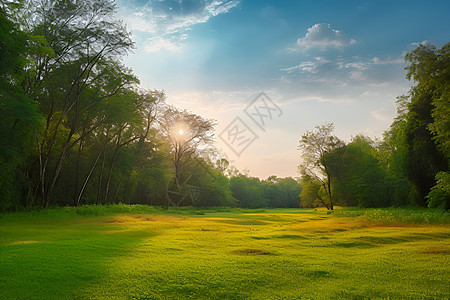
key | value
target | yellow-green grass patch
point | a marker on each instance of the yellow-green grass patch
(270, 254)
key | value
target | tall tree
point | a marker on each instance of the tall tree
(392, 153)
(20, 120)
(88, 43)
(426, 121)
(315, 145)
(187, 135)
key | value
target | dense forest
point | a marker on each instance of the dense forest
(76, 128)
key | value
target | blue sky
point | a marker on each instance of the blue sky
(318, 61)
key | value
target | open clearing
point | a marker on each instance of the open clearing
(260, 254)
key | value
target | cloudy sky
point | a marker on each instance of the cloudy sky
(314, 62)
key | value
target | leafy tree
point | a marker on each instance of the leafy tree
(358, 177)
(213, 184)
(88, 43)
(281, 192)
(312, 192)
(20, 119)
(188, 135)
(392, 153)
(248, 191)
(439, 195)
(315, 145)
(426, 129)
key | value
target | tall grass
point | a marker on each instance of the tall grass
(396, 216)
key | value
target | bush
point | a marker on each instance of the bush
(397, 216)
(439, 196)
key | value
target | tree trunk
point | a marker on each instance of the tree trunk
(101, 178)
(77, 167)
(80, 194)
(328, 187)
(58, 167)
(113, 161)
(118, 188)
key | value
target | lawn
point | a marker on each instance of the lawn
(144, 253)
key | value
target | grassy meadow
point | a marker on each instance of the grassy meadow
(138, 252)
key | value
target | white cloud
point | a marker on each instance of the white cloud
(356, 65)
(369, 93)
(423, 43)
(306, 66)
(382, 115)
(378, 61)
(323, 36)
(164, 24)
(171, 43)
(354, 70)
(331, 100)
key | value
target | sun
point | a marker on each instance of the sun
(180, 132)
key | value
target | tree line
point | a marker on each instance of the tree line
(76, 128)
(410, 166)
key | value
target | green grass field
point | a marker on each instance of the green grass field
(125, 252)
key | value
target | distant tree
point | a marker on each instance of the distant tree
(289, 189)
(272, 192)
(188, 135)
(358, 177)
(222, 165)
(312, 192)
(281, 192)
(315, 145)
(248, 191)
(213, 185)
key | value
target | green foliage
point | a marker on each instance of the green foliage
(12, 45)
(441, 111)
(310, 194)
(20, 119)
(18, 133)
(439, 195)
(396, 216)
(315, 147)
(282, 192)
(273, 192)
(214, 186)
(248, 191)
(359, 179)
(424, 159)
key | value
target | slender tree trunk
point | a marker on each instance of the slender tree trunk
(118, 188)
(100, 179)
(139, 191)
(58, 167)
(328, 187)
(77, 171)
(48, 192)
(113, 161)
(165, 202)
(80, 194)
